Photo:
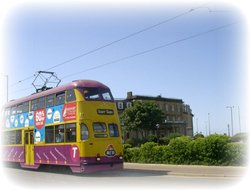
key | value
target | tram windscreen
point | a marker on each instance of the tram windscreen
(97, 94)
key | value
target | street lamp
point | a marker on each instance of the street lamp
(157, 130)
(208, 123)
(231, 109)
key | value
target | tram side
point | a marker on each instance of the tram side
(75, 125)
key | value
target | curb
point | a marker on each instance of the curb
(189, 170)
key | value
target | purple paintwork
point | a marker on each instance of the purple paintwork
(59, 154)
(74, 84)
(62, 155)
(13, 153)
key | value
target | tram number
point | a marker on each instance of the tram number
(110, 151)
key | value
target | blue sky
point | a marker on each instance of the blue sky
(208, 72)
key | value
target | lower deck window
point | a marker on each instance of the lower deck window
(13, 137)
(49, 134)
(113, 130)
(84, 132)
(59, 133)
(71, 132)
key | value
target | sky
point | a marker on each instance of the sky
(208, 72)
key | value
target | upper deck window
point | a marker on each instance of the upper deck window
(60, 98)
(25, 107)
(50, 101)
(70, 95)
(97, 94)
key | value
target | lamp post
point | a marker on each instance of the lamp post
(209, 132)
(157, 130)
(231, 109)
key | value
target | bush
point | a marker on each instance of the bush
(164, 141)
(147, 154)
(196, 151)
(215, 149)
(179, 146)
(236, 154)
(152, 138)
(127, 153)
(211, 150)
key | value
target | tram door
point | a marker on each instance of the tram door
(29, 147)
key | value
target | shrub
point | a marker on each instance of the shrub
(215, 149)
(164, 141)
(236, 154)
(196, 151)
(178, 147)
(127, 153)
(212, 150)
(147, 155)
(152, 138)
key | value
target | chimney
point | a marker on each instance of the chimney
(129, 95)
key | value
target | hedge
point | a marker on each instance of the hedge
(212, 150)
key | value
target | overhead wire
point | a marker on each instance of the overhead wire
(114, 42)
(152, 49)
(149, 50)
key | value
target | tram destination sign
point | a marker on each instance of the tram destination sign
(105, 112)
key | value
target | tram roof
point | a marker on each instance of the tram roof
(73, 84)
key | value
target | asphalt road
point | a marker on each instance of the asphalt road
(133, 176)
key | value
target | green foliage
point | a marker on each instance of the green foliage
(215, 148)
(174, 135)
(197, 151)
(142, 116)
(164, 141)
(152, 138)
(211, 150)
(236, 154)
(198, 135)
(179, 147)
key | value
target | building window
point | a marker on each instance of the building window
(120, 105)
(166, 107)
(178, 109)
(129, 104)
(172, 108)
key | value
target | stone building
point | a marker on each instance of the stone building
(178, 115)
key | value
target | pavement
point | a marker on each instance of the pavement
(191, 170)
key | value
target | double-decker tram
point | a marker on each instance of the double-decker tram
(76, 125)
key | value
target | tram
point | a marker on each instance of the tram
(74, 125)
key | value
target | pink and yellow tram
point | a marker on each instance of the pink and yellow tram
(76, 125)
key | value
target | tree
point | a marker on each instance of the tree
(142, 117)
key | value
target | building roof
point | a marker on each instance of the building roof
(155, 98)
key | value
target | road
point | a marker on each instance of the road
(133, 176)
